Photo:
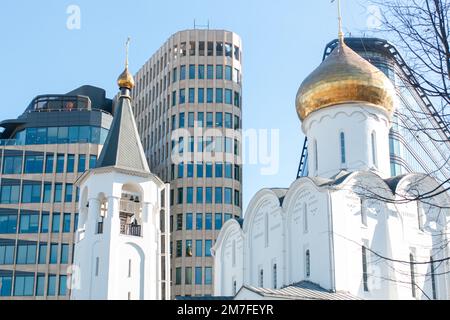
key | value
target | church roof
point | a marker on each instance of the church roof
(304, 290)
(123, 148)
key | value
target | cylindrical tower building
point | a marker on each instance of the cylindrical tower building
(188, 107)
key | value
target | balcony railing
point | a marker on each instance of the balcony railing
(130, 230)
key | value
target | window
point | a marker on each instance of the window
(34, 164)
(228, 73)
(51, 288)
(49, 163)
(228, 196)
(6, 285)
(174, 100)
(433, 279)
(363, 213)
(178, 276)
(198, 275)
(174, 75)
(236, 52)
(191, 95)
(31, 193)
(209, 96)
(420, 216)
(10, 194)
(192, 71)
(58, 193)
(208, 221)
(188, 275)
(92, 161)
(7, 253)
(218, 195)
(219, 170)
(228, 145)
(208, 195)
(189, 195)
(413, 275)
(198, 248)
(208, 246)
(179, 248)
(40, 285)
(201, 71)
(210, 72)
(237, 99)
(64, 254)
(199, 197)
(179, 222)
(29, 222)
(66, 222)
(70, 163)
(62, 285)
(42, 253)
(261, 278)
(97, 266)
(44, 222)
(219, 48)
(274, 275)
(209, 169)
(199, 221)
(374, 149)
(180, 170)
(305, 218)
(188, 221)
(201, 97)
(182, 98)
(54, 253)
(210, 48)
(183, 73)
(219, 120)
(208, 275)
(24, 285)
(190, 165)
(237, 198)
(60, 163)
(12, 165)
(307, 264)
(219, 95)
(227, 217)
(199, 170)
(200, 119)
(219, 72)
(342, 144)
(200, 144)
(228, 120)
(218, 221)
(68, 192)
(56, 220)
(364, 267)
(228, 50)
(201, 48)
(228, 97)
(81, 163)
(316, 156)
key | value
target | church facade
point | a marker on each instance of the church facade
(348, 230)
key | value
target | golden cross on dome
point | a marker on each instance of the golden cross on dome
(127, 46)
(340, 34)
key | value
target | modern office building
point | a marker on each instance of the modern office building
(418, 140)
(42, 153)
(188, 107)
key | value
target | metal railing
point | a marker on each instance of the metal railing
(130, 230)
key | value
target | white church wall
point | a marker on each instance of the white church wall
(357, 122)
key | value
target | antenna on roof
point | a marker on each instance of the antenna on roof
(201, 26)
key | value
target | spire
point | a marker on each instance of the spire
(123, 148)
(126, 81)
(340, 33)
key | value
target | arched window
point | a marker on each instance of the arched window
(305, 218)
(342, 145)
(316, 156)
(413, 274)
(308, 263)
(374, 148)
(433, 279)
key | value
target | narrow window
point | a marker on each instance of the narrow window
(274, 275)
(413, 275)
(364, 265)
(342, 140)
(305, 218)
(316, 157)
(266, 229)
(234, 287)
(374, 148)
(308, 263)
(420, 216)
(129, 268)
(261, 278)
(97, 266)
(433, 279)
(234, 254)
(363, 213)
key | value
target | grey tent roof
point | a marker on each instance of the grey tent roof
(304, 290)
(123, 148)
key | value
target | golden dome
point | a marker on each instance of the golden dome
(344, 77)
(126, 80)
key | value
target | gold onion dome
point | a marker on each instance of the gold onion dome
(344, 77)
(126, 79)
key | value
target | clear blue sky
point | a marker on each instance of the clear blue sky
(283, 42)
